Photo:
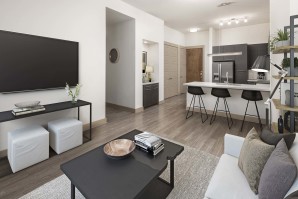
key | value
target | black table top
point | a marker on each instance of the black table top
(98, 176)
(8, 116)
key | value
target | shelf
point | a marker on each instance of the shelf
(284, 49)
(279, 106)
(287, 77)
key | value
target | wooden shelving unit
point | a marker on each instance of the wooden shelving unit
(287, 77)
(284, 49)
(280, 106)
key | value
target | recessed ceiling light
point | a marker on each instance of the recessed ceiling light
(245, 20)
(225, 4)
(193, 30)
(221, 23)
(145, 42)
(229, 22)
(236, 21)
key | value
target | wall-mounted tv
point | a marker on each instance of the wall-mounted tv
(30, 62)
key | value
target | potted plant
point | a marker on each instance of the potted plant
(286, 65)
(282, 39)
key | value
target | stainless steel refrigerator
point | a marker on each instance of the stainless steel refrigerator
(223, 72)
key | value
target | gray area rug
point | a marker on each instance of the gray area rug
(193, 171)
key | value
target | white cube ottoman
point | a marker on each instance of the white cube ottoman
(27, 146)
(65, 134)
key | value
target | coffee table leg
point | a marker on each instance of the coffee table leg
(172, 173)
(73, 193)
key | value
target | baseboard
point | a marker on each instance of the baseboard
(132, 110)
(161, 102)
(234, 116)
(3, 153)
(94, 124)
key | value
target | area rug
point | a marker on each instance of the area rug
(193, 171)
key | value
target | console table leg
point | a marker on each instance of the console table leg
(172, 173)
(73, 193)
(90, 130)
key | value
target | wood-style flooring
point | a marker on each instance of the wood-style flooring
(167, 120)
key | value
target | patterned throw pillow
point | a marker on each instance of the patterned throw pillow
(253, 157)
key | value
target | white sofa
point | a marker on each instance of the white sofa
(228, 181)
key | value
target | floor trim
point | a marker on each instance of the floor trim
(132, 110)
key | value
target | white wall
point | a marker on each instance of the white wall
(174, 36)
(253, 34)
(120, 77)
(85, 22)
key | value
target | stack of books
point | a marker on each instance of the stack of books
(149, 143)
(23, 111)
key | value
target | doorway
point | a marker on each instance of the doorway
(194, 64)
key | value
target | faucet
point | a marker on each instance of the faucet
(227, 76)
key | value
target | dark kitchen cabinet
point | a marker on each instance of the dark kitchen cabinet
(150, 95)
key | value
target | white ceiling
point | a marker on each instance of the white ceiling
(184, 14)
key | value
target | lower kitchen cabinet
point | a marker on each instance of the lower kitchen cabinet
(150, 94)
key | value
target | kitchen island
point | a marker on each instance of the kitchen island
(236, 104)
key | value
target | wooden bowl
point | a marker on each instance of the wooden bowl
(119, 148)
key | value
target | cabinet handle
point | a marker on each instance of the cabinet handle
(170, 78)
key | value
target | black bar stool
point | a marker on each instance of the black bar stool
(221, 93)
(252, 96)
(196, 91)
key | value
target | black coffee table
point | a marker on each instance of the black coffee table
(97, 176)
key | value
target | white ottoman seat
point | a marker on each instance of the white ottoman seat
(27, 146)
(65, 134)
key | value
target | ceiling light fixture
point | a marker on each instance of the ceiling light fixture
(225, 4)
(145, 42)
(235, 20)
(193, 30)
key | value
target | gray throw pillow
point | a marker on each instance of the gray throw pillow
(253, 157)
(273, 138)
(278, 174)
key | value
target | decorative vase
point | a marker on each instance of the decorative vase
(74, 99)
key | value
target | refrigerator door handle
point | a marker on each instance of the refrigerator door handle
(219, 71)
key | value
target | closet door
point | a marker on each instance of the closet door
(171, 71)
(182, 70)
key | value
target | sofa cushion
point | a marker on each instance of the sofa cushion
(228, 182)
(253, 157)
(294, 153)
(278, 174)
(273, 138)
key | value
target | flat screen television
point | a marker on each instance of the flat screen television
(30, 62)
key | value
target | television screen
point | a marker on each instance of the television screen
(30, 62)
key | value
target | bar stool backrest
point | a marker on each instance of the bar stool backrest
(195, 90)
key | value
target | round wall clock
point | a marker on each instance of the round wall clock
(114, 55)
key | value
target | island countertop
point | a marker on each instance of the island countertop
(258, 87)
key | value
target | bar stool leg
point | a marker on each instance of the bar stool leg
(200, 98)
(214, 112)
(227, 110)
(244, 116)
(193, 99)
(259, 116)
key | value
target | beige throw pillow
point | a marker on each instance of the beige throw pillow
(253, 157)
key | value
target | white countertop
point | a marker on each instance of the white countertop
(258, 87)
(146, 83)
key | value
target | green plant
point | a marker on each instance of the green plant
(281, 36)
(287, 61)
